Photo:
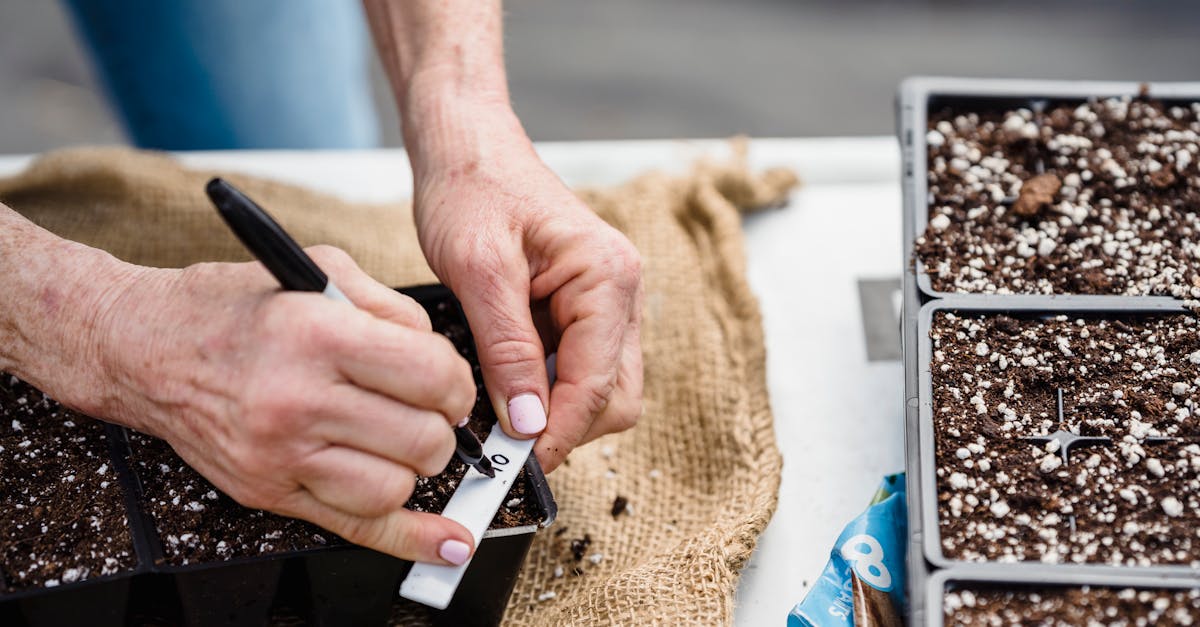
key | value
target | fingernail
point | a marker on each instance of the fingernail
(464, 421)
(526, 414)
(455, 552)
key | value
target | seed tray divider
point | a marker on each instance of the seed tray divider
(145, 537)
(1067, 440)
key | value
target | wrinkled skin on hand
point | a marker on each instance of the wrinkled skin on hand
(292, 402)
(506, 234)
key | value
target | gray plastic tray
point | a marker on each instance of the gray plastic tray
(918, 94)
(931, 535)
(914, 99)
(940, 581)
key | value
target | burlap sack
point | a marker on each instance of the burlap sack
(700, 471)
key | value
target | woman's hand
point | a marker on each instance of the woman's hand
(289, 401)
(504, 233)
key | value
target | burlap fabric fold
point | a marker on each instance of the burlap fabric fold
(700, 471)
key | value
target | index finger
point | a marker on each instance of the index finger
(587, 367)
(422, 369)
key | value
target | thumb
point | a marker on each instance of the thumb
(510, 353)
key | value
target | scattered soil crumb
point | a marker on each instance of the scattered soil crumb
(619, 505)
(579, 547)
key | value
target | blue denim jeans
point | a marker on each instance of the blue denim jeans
(223, 74)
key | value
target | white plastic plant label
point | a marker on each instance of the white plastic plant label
(473, 505)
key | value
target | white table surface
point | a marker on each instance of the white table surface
(838, 417)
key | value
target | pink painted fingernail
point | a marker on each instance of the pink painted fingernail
(464, 421)
(526, 414)
(455, 552)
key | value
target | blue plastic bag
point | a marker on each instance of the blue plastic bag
(865, 574)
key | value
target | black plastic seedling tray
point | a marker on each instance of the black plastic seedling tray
(917, 98)
(339, 584)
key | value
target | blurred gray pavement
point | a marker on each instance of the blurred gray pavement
(611, 69)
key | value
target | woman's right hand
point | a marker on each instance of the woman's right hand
(289, 401)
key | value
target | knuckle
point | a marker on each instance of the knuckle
(393, 491)
(264, 428)
(328, 338)
(255, 498)
(310, 323)
(461, 390)
(438, 361)
(198, 272)
(463, 398)
(449, 371)
(270, 417)
(625, 415)
(389, 534)
(483, 264)
(361, 531)
(445, 346)
(411, 539)
(415, 314)
(248, 463)
(330, 257)
(275, 315)
(508, 348)
(624, 263)
(254, 488)
(596, 392)
(631, 258)
(435, 445)
(479, 254)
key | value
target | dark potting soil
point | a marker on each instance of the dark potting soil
(1069, 606)
(197, 522)
(580, 546)
(1133, 499)
(64, 511)
(619, 505)
(1095, 198)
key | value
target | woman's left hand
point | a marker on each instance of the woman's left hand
(509, 238)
